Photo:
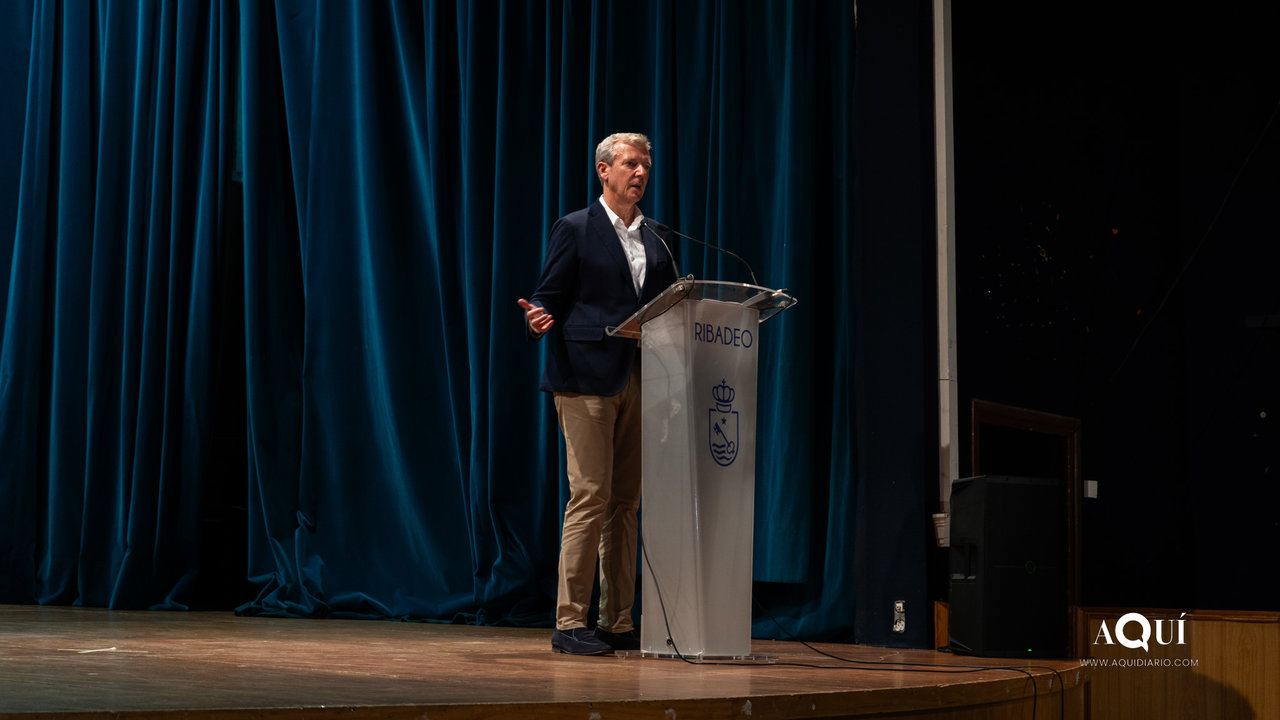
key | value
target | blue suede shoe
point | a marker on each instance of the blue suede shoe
(629, 640)
(578, 641)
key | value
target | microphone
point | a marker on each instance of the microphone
(717, 248)
(645, 224)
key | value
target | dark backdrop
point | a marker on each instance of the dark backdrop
(1117, 196)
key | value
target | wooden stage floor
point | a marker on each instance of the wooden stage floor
(59, 662)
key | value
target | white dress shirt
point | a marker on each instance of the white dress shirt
(632, 244)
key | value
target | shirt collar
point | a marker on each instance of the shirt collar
(614, 220)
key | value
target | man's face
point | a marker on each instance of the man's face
(625, 180)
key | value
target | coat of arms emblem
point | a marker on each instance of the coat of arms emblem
(723, 430)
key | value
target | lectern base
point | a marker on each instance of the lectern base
(696, 659)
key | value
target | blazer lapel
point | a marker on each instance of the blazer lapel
(603, 233)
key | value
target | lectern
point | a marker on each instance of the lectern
(699, 343)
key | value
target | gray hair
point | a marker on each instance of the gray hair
(604, 151)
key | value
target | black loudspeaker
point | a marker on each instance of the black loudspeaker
(1008, 591)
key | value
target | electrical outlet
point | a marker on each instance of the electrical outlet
(899, 616)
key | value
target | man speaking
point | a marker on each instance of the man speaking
(602, 264)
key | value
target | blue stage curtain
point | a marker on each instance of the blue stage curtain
(403, 163)
(114, 139)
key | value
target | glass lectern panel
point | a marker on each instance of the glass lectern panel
(767, 302)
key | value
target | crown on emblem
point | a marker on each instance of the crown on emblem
(723, 395)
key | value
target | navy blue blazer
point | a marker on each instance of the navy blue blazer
(586, 285)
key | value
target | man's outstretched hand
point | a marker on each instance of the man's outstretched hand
(538, 318)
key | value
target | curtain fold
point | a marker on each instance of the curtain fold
(357, 356)
(104, 366)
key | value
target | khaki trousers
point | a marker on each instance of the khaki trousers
(602, 441)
